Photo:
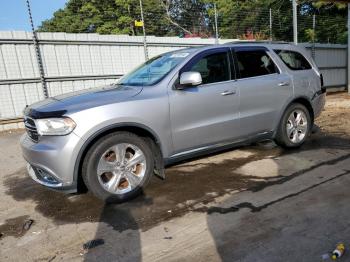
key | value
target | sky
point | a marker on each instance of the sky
(14, 14)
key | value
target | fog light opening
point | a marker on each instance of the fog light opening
(46, 177)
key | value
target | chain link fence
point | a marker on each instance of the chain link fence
(259, 24)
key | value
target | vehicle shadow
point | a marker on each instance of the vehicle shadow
(118, 228)
(269, 228)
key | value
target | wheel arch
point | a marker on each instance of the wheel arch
(305, 102)
(135, 128)
(297, 100)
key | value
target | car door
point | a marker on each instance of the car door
(208, 113)
(306, 80)
(264, 89)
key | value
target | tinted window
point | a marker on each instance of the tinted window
(254, 63)
(213, 68)
(293, 60)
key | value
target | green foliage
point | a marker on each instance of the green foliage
(100, 16)
(309, 35)
(236, 18)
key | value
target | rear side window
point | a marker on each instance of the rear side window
(294, 60)
(254, 63)
(213, 68)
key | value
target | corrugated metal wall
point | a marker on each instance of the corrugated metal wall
(77, 61)
(331, 59)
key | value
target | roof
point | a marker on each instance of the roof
(258, 42)
(270, 44)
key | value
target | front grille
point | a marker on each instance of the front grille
(31, 129)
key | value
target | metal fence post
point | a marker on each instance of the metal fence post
(38, 54)
(348, 66)
(270, 24)
(144, 33)
(313, 54)
(216, 26)
(295, 22)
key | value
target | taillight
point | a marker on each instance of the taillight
(323, 88)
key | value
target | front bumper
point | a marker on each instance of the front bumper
(51, 161)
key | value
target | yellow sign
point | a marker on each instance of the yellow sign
(138, 23)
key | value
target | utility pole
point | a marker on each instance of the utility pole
(37, 52)
(348, 73)
(144, 33)
(295, 22)
(270, 24)
(313, 36)
(216, 26)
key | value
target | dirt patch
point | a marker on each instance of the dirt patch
(56, 205)
(335, 119)
(12, 131)
(14, 227)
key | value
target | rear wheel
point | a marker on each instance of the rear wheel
(118, 167)
(294, 127)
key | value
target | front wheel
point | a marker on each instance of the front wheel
(118, 167)
(294, 127)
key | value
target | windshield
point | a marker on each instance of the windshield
(154, 70)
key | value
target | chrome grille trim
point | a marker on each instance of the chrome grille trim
(30, 126)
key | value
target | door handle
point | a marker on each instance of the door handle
(227, 93)
(283, 84)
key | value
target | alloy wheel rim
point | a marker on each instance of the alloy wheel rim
(296, 126)
(121, 168)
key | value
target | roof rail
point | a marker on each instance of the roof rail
(257, 42)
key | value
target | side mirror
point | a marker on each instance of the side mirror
(190, 79)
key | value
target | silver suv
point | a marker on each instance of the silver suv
(175, 106)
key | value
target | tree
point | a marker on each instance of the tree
(239, 18)
(330, 19)
(102, 16)
(162, 17)
(189, 17)
(236, 18)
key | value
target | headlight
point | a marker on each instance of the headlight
(55, 126)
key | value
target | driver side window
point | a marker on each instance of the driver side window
(213, 68)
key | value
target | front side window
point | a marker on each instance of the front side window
(213, 68)
(154, 70)
(293, 60)
(253, 63)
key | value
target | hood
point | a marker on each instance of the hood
(81, 100)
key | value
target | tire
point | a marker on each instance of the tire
(291, 133)
(108, 170)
